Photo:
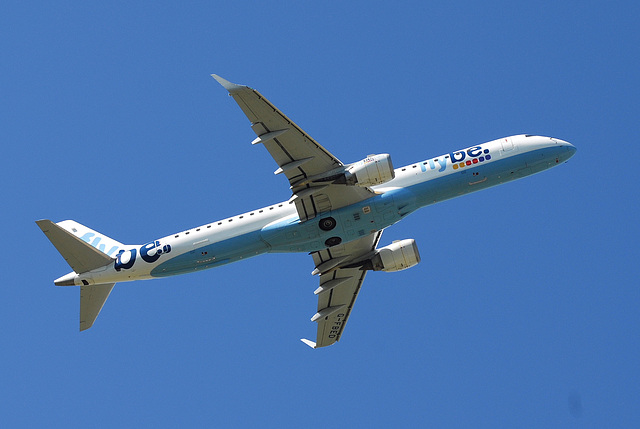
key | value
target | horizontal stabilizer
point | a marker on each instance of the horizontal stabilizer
(96, 239)
(92, 298)
(80, 255)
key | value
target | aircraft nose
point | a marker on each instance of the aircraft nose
(568, 149)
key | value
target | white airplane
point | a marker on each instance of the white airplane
(337, 213)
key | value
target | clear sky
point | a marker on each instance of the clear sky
(524, 311)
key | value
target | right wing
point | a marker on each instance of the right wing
(339, 287)
(299, 157)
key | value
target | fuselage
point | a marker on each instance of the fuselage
(277, 228)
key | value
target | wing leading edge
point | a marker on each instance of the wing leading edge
(309, 167)
(299, 157)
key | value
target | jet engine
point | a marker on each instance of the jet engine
(397, 256)
(371, 171)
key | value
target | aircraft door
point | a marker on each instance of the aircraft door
(507, 144)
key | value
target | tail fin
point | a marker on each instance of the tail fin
(73, 242)
(79, 254)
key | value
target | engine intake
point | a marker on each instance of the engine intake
(371, 171)
(397, 256)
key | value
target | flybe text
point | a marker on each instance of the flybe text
(149, 252)
(460, 159)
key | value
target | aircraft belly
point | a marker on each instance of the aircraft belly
(292, 236)
(546, 158)
(213, 255)
(351, 223)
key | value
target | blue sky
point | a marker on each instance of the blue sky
(522, 313)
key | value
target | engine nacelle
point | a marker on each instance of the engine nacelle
(397, 256)
(371, 171)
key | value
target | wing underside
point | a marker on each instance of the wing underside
(299, 157)
(339, 287)
(313, 174)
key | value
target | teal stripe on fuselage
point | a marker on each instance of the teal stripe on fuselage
(489, 174)
(213, 255)
(365, 217)
(352, 222)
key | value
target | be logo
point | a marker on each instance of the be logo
(149, 252)
(476, 154)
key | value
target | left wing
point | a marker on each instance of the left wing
(313, 174)
(308, 166)
(340, 282)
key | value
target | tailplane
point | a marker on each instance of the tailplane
(79, 254)
(92, 298)
(84, 250)
(99, 241)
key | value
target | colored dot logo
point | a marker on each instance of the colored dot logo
(483, 158)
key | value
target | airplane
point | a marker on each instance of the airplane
(337, 213)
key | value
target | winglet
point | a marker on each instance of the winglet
(308, 342)
(229, 86)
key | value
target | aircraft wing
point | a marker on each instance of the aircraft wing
(299, 157)
(339, 287)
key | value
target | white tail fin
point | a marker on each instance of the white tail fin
(84, 250)
(79, 254)
(100, 241)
